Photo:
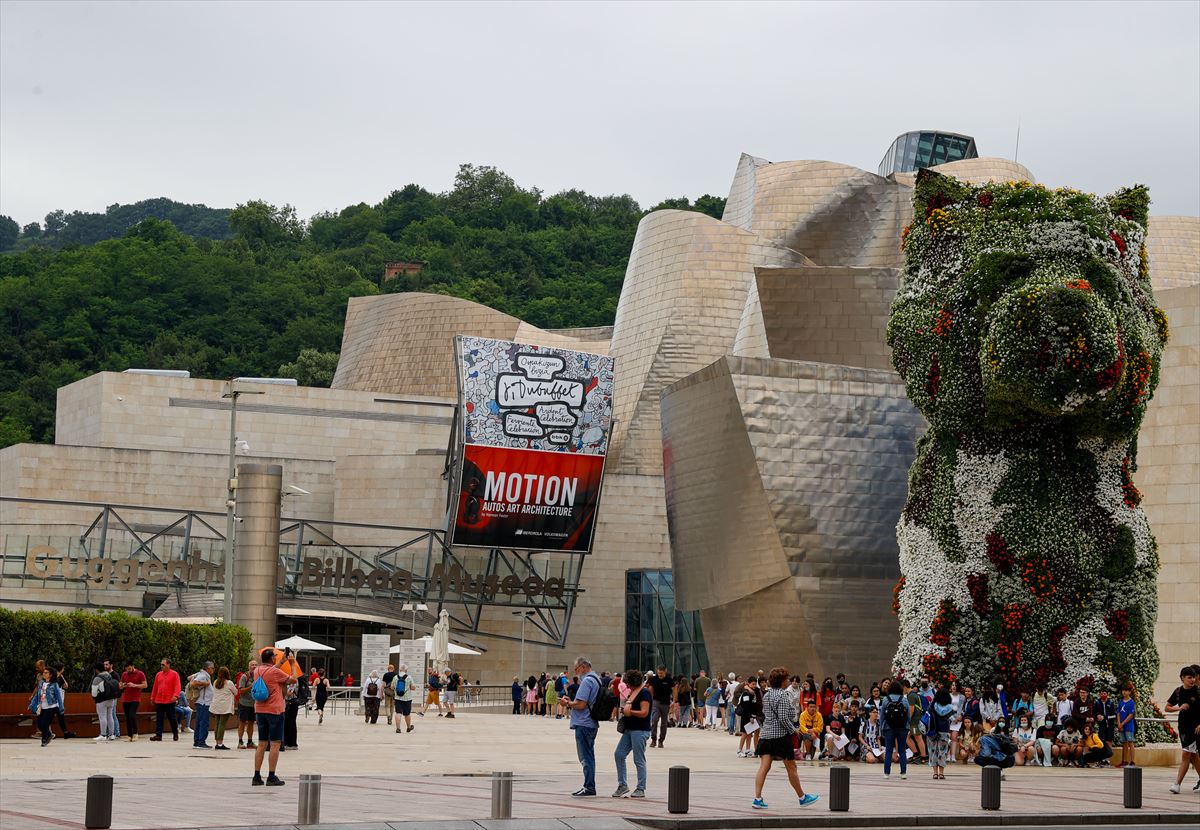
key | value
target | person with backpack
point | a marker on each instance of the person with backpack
(389, 694)
(372, 694)
(245, 708)
(896, 714)
(267, 691)
(402, 694)
(587, 710)
(200, 695)
(104, 694)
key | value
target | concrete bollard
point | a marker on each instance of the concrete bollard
(1132, 778)
(502, 794)
(310, 800)
(839, 788)
(97, 813)
(678, 778)
(989, 798)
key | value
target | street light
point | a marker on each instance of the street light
(232, 392)
(414, 607)
(524, 615)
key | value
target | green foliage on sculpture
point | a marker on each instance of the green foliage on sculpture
(1026, 331)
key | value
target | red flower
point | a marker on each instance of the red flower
(1037, 577)
(1107, 378)
(985, 198)
(1079, 285)
(896, 595)
(977, 585)
(1117, 624)
(999, 554)
(935, 377)
(1132, 495)
(943, 323)
(1120, 243)
(936, 201)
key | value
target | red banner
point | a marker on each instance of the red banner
(526, 499)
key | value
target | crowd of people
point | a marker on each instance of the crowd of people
(777, 716)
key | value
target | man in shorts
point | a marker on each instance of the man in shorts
(403, 697)
(246, 720)
(269, 716)
(433, 693)
(450, 684)
(1186, 701)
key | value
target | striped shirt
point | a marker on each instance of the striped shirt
(778, 714)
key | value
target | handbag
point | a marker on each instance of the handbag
(621, 724)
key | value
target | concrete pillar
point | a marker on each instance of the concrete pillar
(256, 549)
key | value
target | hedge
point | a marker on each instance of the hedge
(80, 638)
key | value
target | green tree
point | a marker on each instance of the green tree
(10, 231)
(12, 431)
(311, 368)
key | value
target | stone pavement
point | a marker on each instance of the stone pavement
(440, 771)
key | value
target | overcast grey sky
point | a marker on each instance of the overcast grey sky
(323, 105)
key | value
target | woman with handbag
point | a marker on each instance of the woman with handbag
(634, 726)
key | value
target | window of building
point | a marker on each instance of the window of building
(656, 632)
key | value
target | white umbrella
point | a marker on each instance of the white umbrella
(301, 644)
(454, 649)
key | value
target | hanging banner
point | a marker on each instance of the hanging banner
(534, 427)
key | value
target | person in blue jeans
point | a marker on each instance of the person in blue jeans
(584, 725)
(635, 716)
(896, 714)
(183, 711)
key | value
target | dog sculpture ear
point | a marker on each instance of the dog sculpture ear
(1131, 203)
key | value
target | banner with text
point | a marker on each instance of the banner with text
(535, 424)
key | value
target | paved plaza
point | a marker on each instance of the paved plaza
(441, 772)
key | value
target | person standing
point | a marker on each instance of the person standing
(775, 744)
(322, 695)
(700, 688)
(133, 680)
(372, 694)
(116, 697)
(268, 714)
(635, 719)
(201, 681)
(1186, 701)
(1127, 724)
(402, 685)
(389, 692)
(104, 693)
(46, 701)
(896, 714)
(245, 707)
(517, 695)
(662, 686)
(223, 704)
(452, 684)
(940, 711)
(584, 725)
(433, 693)
(59, 672)
(1106, 717)
(296, 695)
(163, 695)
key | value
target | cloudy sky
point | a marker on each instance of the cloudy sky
(322, 104)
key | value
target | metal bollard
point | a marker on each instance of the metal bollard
(839, 788)
(310, 800)
(98, 810)
(1132, 778)
(677, 789)
(502, 794)
(989, 798)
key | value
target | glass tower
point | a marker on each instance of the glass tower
(656, 632)
(912, 151)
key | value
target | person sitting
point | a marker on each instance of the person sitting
(968, 741)
(184, 712)
(1068, 746)
(1046, 733)
(872, 744)
(812, 727)
(1027, 742)
(836, 741)
(996, 749)
(1095, 751)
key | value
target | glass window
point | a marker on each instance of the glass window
(656, 632)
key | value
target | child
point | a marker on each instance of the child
(1045, 741)
(1127, 724)
(1068, 746)
(1063, 708)
(968, 741)
(1027, 742)
(872, 747)
(1186, 701)
(1094, 750)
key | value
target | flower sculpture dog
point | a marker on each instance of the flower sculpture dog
(1026, 332)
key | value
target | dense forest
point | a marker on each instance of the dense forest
(256, 290)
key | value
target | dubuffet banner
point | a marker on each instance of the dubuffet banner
(535, 424)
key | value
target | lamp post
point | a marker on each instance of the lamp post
(524, 615)
(414, 607)
(232, 392)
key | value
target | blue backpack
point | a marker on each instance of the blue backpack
(259, 690)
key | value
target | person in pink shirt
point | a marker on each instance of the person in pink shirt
(269, 716)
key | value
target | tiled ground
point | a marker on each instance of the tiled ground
(440, 772)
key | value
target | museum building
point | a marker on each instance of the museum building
(756, 469)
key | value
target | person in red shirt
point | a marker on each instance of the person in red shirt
(133, 680)
(269, 716)
(163, 695)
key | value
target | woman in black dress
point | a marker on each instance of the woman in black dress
(322, 695)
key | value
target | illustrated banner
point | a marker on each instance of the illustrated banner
(535, 425)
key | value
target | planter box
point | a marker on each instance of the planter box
(17, 722)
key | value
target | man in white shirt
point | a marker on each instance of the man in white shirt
(202, 680)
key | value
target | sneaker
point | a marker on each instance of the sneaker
(70, 734)
(583, 792)
(155, 737)
(410, 729)
(758, 804)
(638, 793)
(201, 746)
(1196, 786)
(904, 776)
(221, 746)
(1175, 789)
(653, 744)
(249, 745)
(621, 790)
(450, 715)
(100, 738)
(809, 798)
(397, 730)
(257, 780)
(113, 738)
(887, 775)
(274, 780)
